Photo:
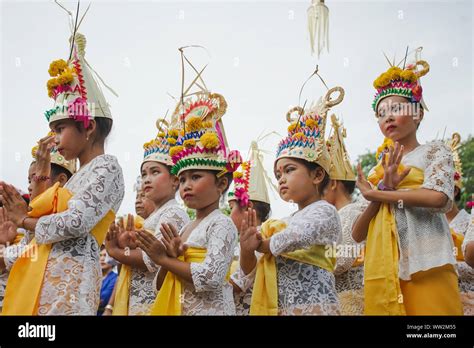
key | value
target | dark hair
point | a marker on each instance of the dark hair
(457, 196)
(56, 170)
(313, 166)
(262, 209)
(349, 186)
(229, 176)
(103, 128)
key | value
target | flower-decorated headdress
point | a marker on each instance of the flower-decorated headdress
(157, 150)
(341, 168)
(305, 139)
(57, 158)
(202, 144)
(454, 144)
(404, 82)
(251, 183)
(72, 85)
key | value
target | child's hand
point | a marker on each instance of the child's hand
(111, 239)
(392, 178)
(43, 155)
(172, 241)
(250, 238)
(8, 230)
(362, 184)
(154, 248)
(127, 235)
(14, 204)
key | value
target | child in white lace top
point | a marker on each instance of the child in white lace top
(138, 272)
(409, 250)
(205, 290)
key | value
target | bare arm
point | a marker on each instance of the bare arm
(423, 198)
(179, 268)
(161, 278)
(131, 257)
(361, 225)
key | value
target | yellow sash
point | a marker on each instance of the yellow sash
(382, 291)
(122, 293)
(265, 288)
(26, 276)
(168, 301)
(458, 239)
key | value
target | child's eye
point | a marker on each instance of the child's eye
(289, 169)
(195, 177)
(181, 180)
(156, 172)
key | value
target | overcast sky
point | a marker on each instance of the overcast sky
(259, 58)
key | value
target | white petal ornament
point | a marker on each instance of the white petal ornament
(318, 26)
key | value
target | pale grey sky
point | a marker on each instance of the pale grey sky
(260, 57)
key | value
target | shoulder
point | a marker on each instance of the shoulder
(436, 147)
(350, 209)
(323, 207)
(221, 222)
(173, 209)
(107, 163)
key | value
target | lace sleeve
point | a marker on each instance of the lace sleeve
(242, 280)
(210, 274)
(439, 173)
(316, 225)
(469, 237)
(87, 207)
(349, 247)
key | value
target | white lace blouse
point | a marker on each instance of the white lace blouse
(210, 293)
(469, 237)
(142, 293)
(350, 279)
(348, 249)
(424, 237)
(303, 289)
(460, 224)
(73, 276)
(10, 254)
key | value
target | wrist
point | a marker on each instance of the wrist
(246, 253)
(263, 245)
(40, 178)
(162, 259)
(21, 222)
(109, 307)
(384, 187)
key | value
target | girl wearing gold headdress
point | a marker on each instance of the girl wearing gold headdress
(409, 260)
(193, 277)
(62, 276)
(294, 276)
(135, 293)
